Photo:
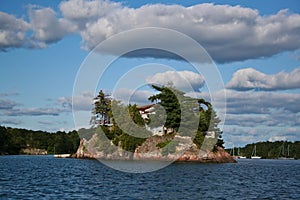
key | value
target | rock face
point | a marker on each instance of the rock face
(179, 148)
(217, 156)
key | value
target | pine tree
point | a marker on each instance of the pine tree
(101, 111)
(183, 111)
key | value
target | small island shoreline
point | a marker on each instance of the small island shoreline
(219, 155)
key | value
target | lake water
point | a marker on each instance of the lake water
(44, 177)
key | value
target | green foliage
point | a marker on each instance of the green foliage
(129, 142)
(109, 134)
(178, 111)
(168, 99)
(4, 140)
(86, 133)
(102, 106)
(135, 115)
(132, 132)
(199, 138)
(163, 144)
(13, 140)
(183, 111)
(159, 118)
(127, 119)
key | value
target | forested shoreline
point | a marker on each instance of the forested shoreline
(269, 150)
(14, 141)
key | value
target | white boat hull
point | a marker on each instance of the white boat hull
(62, 155)
(255, 157)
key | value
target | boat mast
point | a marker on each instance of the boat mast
(254, 151)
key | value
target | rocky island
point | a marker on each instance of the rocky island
(143, 152)
(164, 131)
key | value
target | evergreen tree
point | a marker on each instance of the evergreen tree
(179, 107)
(167, 98)
(102, 107)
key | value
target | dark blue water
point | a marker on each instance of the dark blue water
(44, 177)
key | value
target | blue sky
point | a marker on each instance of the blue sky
(255, 45)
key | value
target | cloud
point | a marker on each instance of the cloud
(260, 109)
(7, 104)
(47, 123)
(82, 12)
(183, 80)
(12, 31)
(43, 28)
(10, 121)
(34, 111)
(275, 119)
(51, 123)
(11, 108)
(7, 94)
(83, 102)
(228, 33)
(249, 79)
(261, 102)
(251, 102)
(47, 28)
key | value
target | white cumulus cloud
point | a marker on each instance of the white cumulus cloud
(183, 80)
(249, 78)
(12, 31)
(47, 27)
(228, 33)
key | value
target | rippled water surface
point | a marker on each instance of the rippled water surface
(44, 177)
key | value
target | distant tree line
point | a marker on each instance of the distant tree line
(14, 140)
(270, 150)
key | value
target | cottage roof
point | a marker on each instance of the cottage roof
(145, 107)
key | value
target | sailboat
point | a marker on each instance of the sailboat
(239, 155)
(288, 153)
(289, 158)
(232, 152)
(254, 156)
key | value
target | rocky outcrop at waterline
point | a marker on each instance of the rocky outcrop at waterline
(155, 148)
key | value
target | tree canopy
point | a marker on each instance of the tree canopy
(101, 110)
(14, 140)
(179, 107)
